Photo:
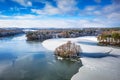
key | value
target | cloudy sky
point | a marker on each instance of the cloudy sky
(59, 13)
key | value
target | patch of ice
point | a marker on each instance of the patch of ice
(106, 68)
(59, 58)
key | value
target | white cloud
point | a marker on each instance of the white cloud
(4, 17)
(97, 12)
(29, 3)
(114, 16)
(103, 16)
(21, 17)
(112, 12)
(90, 8)
(67, 6)
(111, 8)
(55, 23)
(14, 9)
(29, 16)
(108, 15)
(48, 10)
(63, 7)
(35, 23)
(24, 3)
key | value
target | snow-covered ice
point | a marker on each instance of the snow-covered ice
(94, 67)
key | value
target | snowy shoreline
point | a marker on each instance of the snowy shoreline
(94, 68)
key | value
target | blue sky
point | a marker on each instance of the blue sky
(59, 13)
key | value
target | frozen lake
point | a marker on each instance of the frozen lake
(97, 63)
(28, 60)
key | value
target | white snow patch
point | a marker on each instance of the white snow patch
(106, 68)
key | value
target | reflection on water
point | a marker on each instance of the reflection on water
(30, 61)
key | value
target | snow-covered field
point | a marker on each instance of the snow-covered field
(97, 64)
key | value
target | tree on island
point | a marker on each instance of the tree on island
(68, 50)
(109, 38)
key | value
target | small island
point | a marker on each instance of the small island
(109, 38)
(38, 35)
(68, 50)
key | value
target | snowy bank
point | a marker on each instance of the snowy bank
(51, 44)
(94, 68)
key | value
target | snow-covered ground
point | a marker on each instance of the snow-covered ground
(97, 64)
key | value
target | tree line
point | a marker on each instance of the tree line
(109, 38)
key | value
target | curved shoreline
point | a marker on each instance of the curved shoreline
(93, 68)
